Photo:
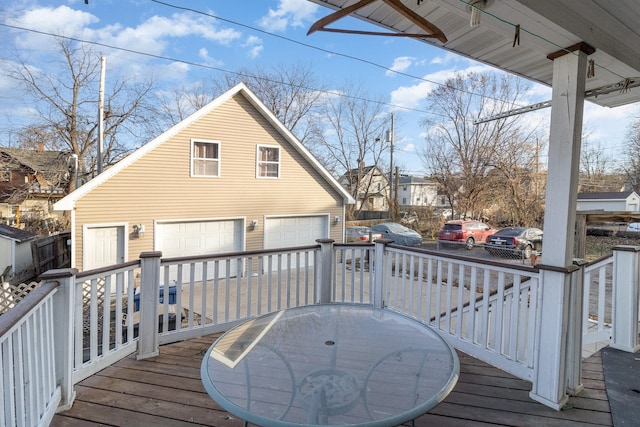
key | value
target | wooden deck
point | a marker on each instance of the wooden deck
(167, 391)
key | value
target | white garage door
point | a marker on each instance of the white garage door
(291, 231)
(187, 238)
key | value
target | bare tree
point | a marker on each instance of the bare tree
(177, 104)
(460, 154)
(349, 137)
(595, 169)
(66, 100)
(291, 93)
(515, 186)
(631, 165)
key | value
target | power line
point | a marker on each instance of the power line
(310, 46)
(210, 67)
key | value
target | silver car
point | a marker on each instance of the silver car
(360, 234)
(400, 234)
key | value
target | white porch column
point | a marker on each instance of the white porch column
(565, 135)
(554, 364)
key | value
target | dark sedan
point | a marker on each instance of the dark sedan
(518, 241)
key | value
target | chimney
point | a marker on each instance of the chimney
(40, 148)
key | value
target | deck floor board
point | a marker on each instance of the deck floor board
(166, 391)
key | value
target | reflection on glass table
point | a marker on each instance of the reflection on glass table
(332, 364)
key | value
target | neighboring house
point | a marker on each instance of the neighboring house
(228, 178)
(15, 253)
(30, 182)
(625, 201)
(416, 191)
(369, 186)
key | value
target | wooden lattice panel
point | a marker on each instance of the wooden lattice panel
(10, 295)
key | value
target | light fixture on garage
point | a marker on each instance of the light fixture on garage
(253, 224)
(336, 219)
(138, 230)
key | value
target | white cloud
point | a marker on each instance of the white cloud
(446, 58)
(295, 13)
(410, 96)
(401, 64)
(203, 53)
(60, 20)
(154, 36)
(609, 125)
(255, 46)
(409, 148)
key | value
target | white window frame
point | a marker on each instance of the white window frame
(193, 159)
(261, 162)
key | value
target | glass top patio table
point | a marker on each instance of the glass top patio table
(330, 364)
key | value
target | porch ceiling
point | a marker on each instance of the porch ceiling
(546, 26)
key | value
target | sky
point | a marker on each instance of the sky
(179, 42)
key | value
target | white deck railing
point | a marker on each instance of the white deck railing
(29, 374)
(597, 305)
(486, 310)
(77, 324)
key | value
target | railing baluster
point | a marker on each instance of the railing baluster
(216, 292)
(288, 281)
(601, 298)
(269, 284)
(203, 298)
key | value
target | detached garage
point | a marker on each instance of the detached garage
(198, 188)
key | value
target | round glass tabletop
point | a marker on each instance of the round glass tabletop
(333, 364)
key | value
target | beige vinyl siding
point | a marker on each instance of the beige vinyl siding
(158, 186)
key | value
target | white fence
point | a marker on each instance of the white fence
(31, 391)
(486, 310)
(597, 301)
(74, 325)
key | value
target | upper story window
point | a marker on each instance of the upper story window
(268, 164)
(205, 158)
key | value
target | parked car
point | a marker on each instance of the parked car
(400, 234)
(360, 234)
(634, 226)
(468, 232)
(521, 241)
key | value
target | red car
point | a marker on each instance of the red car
(468, 232)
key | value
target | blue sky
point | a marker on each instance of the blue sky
(261, 33)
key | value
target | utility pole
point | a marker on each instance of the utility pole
(103, 62)
(392, 207)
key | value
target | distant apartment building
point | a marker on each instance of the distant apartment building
(417, 191)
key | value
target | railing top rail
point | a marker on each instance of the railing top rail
(242, 254)
(111, 269)
(12, 317)
(530, 270)
(354, 245)
(599, 262)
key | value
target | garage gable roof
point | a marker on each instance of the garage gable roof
(68, 202)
